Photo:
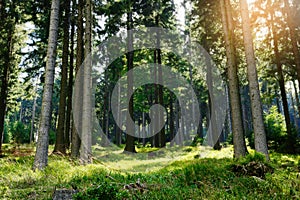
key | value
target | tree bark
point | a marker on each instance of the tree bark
(4, 85)
(75, 146)
(256, 106)
(161, 134)
(130, 147)
(60, 146)
(86, 138)
(70, 81)
(290, 145)
(232, 70)
(41, 156)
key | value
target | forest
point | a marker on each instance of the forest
(160, 99)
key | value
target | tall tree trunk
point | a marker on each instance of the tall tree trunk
(70, 81)
(162, 134)
(60, 146)
(75, 146)
(155, 138)
(130, 147)
(86, 138)
(256, 106)
(4, 84)
(41, 156)
(232, 70)
(290, 145)
(293, 35)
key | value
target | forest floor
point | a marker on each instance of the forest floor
(175, 173)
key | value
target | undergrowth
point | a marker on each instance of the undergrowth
(201, 178)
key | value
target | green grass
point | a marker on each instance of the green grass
(118, 176)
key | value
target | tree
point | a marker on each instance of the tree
(41, 155)
(233, 81)
(86, 137)
(70, 79)
(75, 146)
(256, 106)
(60, 146)
(293, 37)
(9, 14)
(130, 147)
(282, 85)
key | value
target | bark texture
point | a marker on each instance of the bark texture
(41, 156)
(256, 106)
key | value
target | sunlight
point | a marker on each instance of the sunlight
(250, 1)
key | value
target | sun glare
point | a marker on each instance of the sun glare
(250, 1)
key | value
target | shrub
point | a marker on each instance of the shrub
(19, 132)
(275, 128)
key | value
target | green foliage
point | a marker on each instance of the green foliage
(197, 140)
(105, 190)
(253, 157)
(230, 138)
(275, 127)
(6, 134)
(19, 132)
(52, 137)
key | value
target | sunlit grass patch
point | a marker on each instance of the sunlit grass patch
(173, 174)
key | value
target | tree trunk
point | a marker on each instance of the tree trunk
(70, 81)
(41, 156)
(86, 138)
(232, 70)
(256, 106)
(60, 146)
(290, 145)
(119, 130)
(293, 35)
(130, 147)
(77, 110)
(162, 134)
(4, 85)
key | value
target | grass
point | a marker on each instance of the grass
(186, 173)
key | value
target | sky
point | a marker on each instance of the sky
(180, 12)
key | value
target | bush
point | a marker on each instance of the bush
(275, 128)
(20, 133)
